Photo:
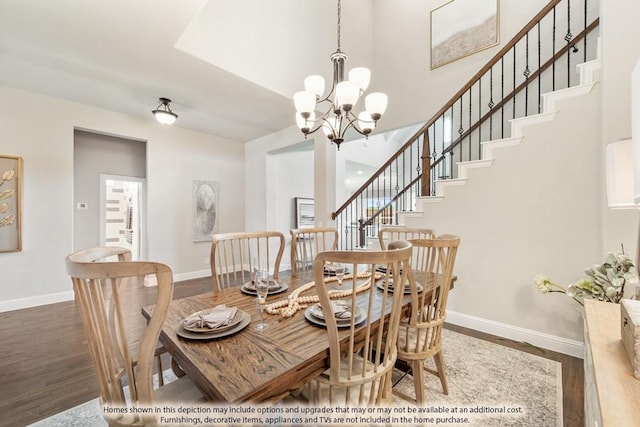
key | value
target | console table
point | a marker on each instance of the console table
(612, 393)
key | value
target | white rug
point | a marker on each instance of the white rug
(485, 381)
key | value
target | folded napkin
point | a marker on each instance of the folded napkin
(342, 310)
(273, 285)
(407, 285)
(221, 315)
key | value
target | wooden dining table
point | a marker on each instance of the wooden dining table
(250, 365)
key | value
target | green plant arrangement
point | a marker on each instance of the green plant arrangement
(604, 282)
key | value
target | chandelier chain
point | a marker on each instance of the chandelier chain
(339, 18)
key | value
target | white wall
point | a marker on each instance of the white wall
(535, 210)
(293, 178)
(620, 226)
(40, 129)
(402, 57)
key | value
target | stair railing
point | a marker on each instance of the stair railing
(541, 58)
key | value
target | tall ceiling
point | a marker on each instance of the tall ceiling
(230, 68)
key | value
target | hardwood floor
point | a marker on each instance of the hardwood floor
(46, 368)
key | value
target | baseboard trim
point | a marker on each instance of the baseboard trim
(538, 339)
(20, 303)
(191, 275)
(29, 302)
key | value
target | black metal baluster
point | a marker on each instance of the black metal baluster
(411, 161)
(539, 73)
(568, 38)
(397, 188)
(433, 181)
(584, 40)
(470, 123)
(553, 51)
(404, 182)
(513, 113)
(480, 118)
(460, 130)
(434, 154)
(526, 74)
(491, 104)
(502, 96)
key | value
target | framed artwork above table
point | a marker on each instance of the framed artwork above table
(10, 203)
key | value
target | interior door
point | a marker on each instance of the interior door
(123, 213)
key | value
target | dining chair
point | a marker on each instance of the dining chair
(420, 334)
(362, 352)
(234, 256)
(392, 233)
(306, 243)
(123, 365)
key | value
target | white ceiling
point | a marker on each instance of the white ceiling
(123, 55)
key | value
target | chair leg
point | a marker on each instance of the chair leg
(417, 370)
(160, 376)
(442, 373)
(177, 370)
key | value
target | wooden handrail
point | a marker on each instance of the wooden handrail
(494, 60)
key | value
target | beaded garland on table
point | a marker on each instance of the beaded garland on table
(294, 302)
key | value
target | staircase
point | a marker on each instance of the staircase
(522, 84)
(493, 150)
(532, 205)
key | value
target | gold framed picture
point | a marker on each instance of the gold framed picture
(10, 200)
(461, 28)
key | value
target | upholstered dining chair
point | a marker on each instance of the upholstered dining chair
(361, 364)
(392, 233)
(306, 243)
(233, 256)
(420, 335)
(100, 286)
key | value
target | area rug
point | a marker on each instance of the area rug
(489, 385)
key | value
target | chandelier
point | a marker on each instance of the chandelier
(343, 96)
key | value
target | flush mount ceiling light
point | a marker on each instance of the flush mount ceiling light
(342, 97)
(163, 112)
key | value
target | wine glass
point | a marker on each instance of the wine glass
(339, 272)
(255, 271)
(262, 289)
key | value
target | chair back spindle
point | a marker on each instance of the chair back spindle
(306, 243)
(233, 256)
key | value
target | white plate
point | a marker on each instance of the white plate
(320, 322)
(246, 318)
(249, 289)
(237, 318)
(331, 271)
(407, 289)
(316, 310)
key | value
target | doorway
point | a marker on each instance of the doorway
(122, 203)
(121, 160)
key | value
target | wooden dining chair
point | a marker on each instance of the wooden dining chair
(306, 243)
(100, 290)
(363, 352)
(393, 233)
(234, 255)
(420, 336)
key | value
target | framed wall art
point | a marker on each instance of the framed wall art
(205, 210)
(461, 28)
(305, 215)
(10, 201)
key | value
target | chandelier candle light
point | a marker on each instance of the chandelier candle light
(341, 99)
